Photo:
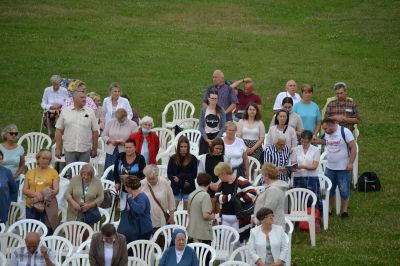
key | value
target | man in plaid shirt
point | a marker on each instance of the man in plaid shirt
(30, 255)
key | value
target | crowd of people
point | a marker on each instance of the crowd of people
(212, 184)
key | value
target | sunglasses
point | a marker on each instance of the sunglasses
(13, 133)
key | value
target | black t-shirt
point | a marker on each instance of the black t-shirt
(210, 163)
(228, 208)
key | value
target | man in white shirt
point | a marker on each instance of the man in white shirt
(341, 152)
(31, 255)
(291, 88)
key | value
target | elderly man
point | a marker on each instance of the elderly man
(245, 96)
(342, 109)
(291, 88)
(226, 95)
(78, 129)
(80, 86)
(31, 255)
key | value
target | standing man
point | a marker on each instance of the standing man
(291, 88)
(31, 255)
(226, 95)
(341, 153)
(80, 129)
(245, 97)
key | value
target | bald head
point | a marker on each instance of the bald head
(32, 241)
(218, 77)
(291, 87)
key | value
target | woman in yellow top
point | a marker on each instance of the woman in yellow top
(40, 183)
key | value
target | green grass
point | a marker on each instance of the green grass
(165, 50)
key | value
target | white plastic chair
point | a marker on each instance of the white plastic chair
(326, 185)
(202, 250)
(98, 161)
(321, 171)
(355, 168)
(289, 232)
(189, 123)
(3, 260)
(22, 227)
(75, 169)
(30, 164)
(194, 139)
(234, 263)
(35, 142)
(298, 199)
(162, 171)
(224, 239)
(2, 228)
(74, 232)
(146, 250)
(9, 242)
(106, 172)
(181, 218)
(77, 260)
(166, 137)
(21, 195)
(167, 231)
(16, 212)
(136, 262)
(181, 110)
(84, 248)
(255, 167)
(59, 245)
(240, 254)
(105, 217)
(257, 180)
(54, 159)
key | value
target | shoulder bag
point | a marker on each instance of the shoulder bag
(166, 214)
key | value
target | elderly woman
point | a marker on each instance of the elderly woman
(308, 110)
(234, 187)
(13, 154)
(273, 196)
(281, 122)
(7, 187)
(236, 150)
(307, 158)
(41, 187)
(268, 243)
(294, 119)
(162, 201)
(84, 193)
(79, 85)
(114, 102)
(182, 171)
(116, 132)
(279, 155)
(251, 129)
(211, 122)
(52, 101)
(135, 221)
(147, 142)
(179, 253)
(99, 111)
(108, 247)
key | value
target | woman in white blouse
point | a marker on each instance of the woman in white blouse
(268, 243)
(236, 150)
(282, 125)
(251, 129)
(114, 102)
(307, 158)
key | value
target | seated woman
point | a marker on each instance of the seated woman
(85, 192)
(182, 171)
(13, 154)
(147, 141)
(273, 196)
(41, 187)
(268, 243)
(52, 102)
(279, 155)
(99, 111)
(179, 253)
(230, 187)
(211, 122)
(294, 119)
(251, 129)
(114, 102)
(282, 126)
(115, 134)
(7, 187)
(307, 158)
(135, 221)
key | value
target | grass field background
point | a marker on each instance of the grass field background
(165, 50)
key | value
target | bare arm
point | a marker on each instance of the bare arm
(246, 165)
(236, 84)
(21, 166)
(317, 128)
(58, 137)
(230, 108)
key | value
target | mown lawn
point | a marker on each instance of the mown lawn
(165, 50)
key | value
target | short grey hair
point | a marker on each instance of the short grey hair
(219, 71)
(89, 168)
(147, 119)
(151, 170)
(279, 136)
(55, 79)
(114, 85)
(340, 85)
(8, 129)
(76, 92)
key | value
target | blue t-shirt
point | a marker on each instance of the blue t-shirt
(12, 157)
(309, 114)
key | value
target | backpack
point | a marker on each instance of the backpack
(368, 181)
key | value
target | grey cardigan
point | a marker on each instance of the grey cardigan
(202, 124)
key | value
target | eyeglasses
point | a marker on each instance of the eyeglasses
(13, 133)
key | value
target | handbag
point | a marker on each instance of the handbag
(92, 215)
(166, 214)
(128, 225)
(242, 209)
(38, 205)
(108, 199)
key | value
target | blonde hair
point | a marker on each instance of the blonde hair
(230, 123)
(45, 154)
(7, 129)
(270, 170)
(223, 168)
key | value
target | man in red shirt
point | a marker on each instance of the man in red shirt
(245, 96)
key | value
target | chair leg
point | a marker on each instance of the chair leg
(311, 224)
(325, 213)
(338, 203)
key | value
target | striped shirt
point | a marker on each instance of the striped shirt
(278, 158)
(22, 257)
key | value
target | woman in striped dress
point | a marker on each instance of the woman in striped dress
(278, 154)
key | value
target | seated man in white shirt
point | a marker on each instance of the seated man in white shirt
(291, 88)
(30, 254)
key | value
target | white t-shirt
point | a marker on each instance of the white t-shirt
(336, 147)
(235, 151)
(108, 253)
(313, 154)
(282, 95)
